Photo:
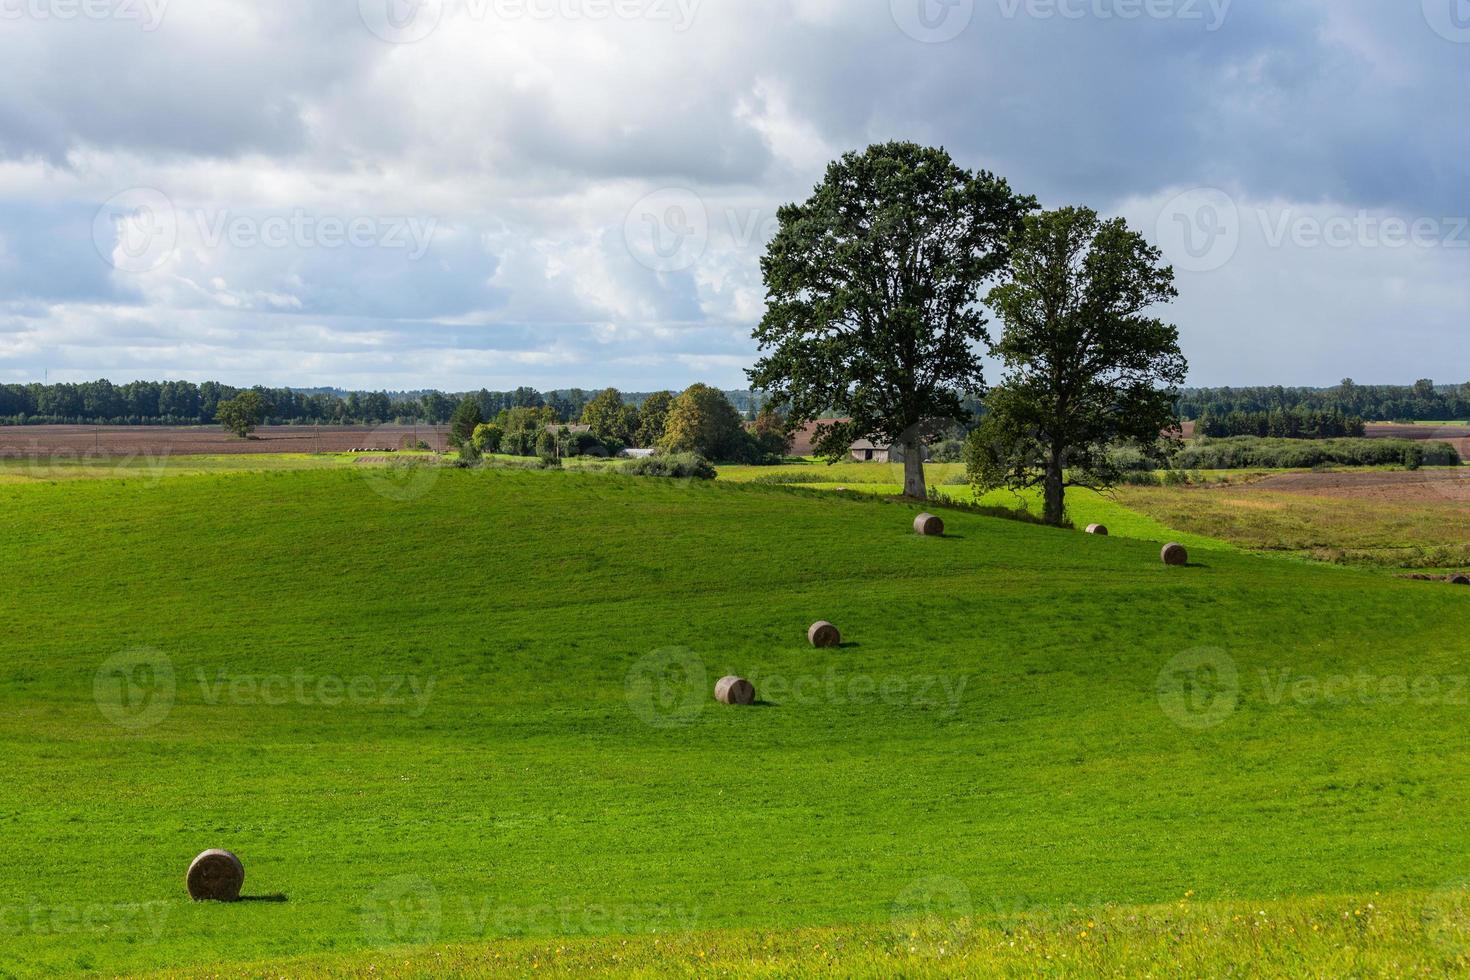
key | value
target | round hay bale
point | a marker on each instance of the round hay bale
(215, 876)
(1101, 529)
(824, 634)
(1174, 554)
(735, 690)
(1460, 579)
(929, 526)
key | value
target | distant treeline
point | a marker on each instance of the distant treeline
(1250, 452)
(1298, 423)
(1423, 401)
(187, 403)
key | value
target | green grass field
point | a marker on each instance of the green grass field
(151, 469)
(1084, 507)
(461, 721)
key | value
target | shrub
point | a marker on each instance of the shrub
(546, 447)
(1131, 459)
(586, 444)
(487, 437)
(1246, 452)
(520, 442)
(681, 465)
(948, 451)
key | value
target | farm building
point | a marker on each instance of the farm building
(864, 451)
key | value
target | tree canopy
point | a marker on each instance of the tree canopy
(872, 288)
(465, 420)
(243, 413)
(653, 416)
(1087, 364)
(702, 420)
(611, 419)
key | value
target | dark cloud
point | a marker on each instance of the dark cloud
(528, 142)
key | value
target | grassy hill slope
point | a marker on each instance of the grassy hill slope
(484, 712)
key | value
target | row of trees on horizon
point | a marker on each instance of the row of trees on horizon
(186, 403)
(1423, 401)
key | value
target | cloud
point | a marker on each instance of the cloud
(592, 182)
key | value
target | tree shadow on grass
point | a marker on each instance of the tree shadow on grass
(277, 897)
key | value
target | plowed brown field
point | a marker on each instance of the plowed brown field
(31, 441)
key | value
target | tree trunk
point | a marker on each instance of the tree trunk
(1055, 491)
(913, 470)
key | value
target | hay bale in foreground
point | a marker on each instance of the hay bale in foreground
(929, 526)
(1174, 554)
(1101, 529)
(215, 876)
(824, 634)
(735, 690)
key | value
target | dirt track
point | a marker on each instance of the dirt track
(31, 441)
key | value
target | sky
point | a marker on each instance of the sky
(401, 194)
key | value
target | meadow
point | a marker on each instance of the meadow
(461, 719)
(1405, 520)
(1374, 517)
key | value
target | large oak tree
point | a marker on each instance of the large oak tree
(1088, 365)
(872, 287)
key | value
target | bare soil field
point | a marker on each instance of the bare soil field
(1419, 486)
(35, 441)
(1456, 435)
